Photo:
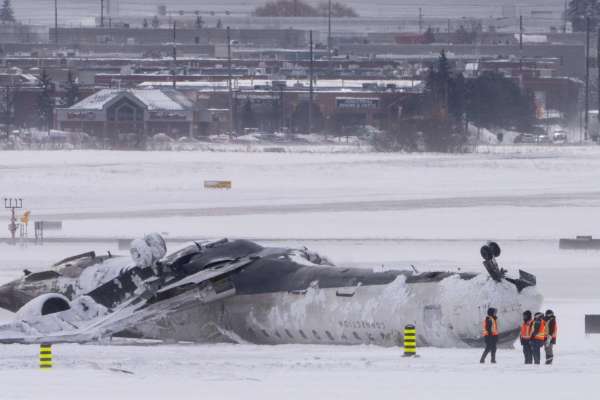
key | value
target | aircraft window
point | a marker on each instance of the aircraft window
(277, 334)
(329, 335)
(356, 335)
(265, 333)
(287, 332)
(316, 334)
(302, 334)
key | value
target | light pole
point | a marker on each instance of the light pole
(13, 204)
(56, 21)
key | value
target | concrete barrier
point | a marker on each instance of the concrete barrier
(592, 324)
(579, 243)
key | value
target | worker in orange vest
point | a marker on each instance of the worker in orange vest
(538, 335)
(551, 335)
(526, 336)
(490, 334)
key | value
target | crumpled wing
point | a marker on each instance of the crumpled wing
(149, 302)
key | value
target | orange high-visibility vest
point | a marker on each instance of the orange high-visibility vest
(541, 334)
(526, 330)
(494, 326)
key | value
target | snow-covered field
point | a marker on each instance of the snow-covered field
(378, 210)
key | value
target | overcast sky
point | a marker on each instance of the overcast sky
(41, 11)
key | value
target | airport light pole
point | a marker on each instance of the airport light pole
(310, 84)
(596, 134)
(586, 117)
(329, 32)
(229, 83)
(13, 204)
(56, 21)
(174, 54)
(102, 13)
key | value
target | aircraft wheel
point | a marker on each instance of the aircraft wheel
(486, 252)
(495, 249)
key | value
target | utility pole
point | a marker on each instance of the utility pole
(420, 20)
(521, 32)
(598, 66)
(174, 54)
(282, 108)
(13, 204)
(229, 83)
(102, 13)
(587, 79)
(448, 31)
(329, 32)
(56, 21)
(310, 85)
(521, 48)
(565, 16)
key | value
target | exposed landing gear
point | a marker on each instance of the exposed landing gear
(490, 251)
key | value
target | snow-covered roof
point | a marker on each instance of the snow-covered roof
(153, 99)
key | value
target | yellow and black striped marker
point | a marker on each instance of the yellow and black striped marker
(410, 341)
(45, 356)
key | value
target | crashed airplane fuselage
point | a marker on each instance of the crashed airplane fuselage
(240, 291)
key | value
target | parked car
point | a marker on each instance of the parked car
(559, 137)
(526, 138)
(543, 139)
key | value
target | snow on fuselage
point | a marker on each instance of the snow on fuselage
(294, 296)
(279, 302)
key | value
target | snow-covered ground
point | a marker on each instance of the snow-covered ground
(378, 210)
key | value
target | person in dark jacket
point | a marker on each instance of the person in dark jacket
(526, 336)
(490, 334)
(551, 335)
(538, 335)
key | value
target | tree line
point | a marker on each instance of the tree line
(299, 8)
(438, 119)
(48, 99)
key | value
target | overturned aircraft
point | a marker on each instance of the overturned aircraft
(239, 291)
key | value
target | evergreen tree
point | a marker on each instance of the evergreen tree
(145, 23)
(580, 9)
(443, 130)
(219, 24)
(248, 118)
(46, 100)
(497, 101)
(199, 22)
(6, 12)
(155, 22)
(72, 94)
(7, 108)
